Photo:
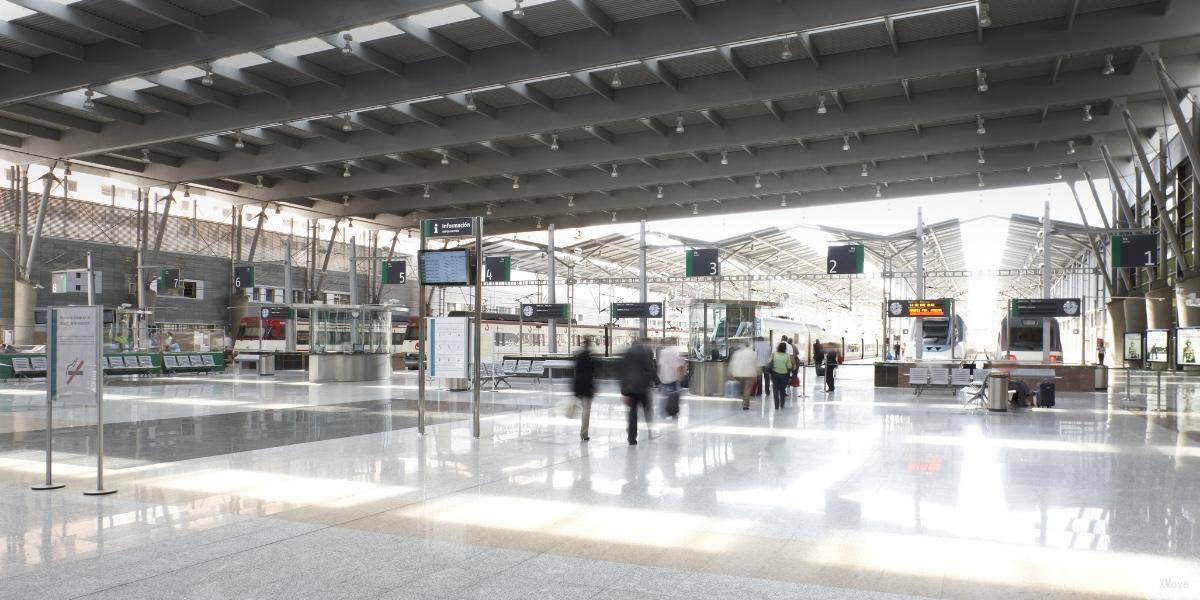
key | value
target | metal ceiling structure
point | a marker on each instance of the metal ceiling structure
(1023, 249)
(579, 112)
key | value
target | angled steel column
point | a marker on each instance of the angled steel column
(162, 222)
(1095, 195)
(1164, 219)
(1114, 175)
(390, 254)
(328, 252)
(48, 183)
(258, 228)
(1171, 96)
(1109, 283)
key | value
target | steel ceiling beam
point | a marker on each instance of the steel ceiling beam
(641, 38)
(226, 33)
(83, 20)
(169, 12)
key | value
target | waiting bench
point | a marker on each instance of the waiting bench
(29, 366)
(193, 363)
(921, 378)
(128, 365)
(529, 368)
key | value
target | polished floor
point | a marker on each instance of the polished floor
(279, 489)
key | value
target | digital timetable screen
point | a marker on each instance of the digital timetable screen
(444, 267)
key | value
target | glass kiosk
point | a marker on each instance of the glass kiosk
(349, 343)
(716, 328)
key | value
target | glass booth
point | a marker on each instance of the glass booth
(716, 328)
(349, 342)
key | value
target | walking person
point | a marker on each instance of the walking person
(762, 355)
(637, 375)
(831, 365)
(670, 372)
(781, 372)
(585, 384)
(743, 366)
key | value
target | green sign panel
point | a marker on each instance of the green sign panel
(243, 277)
(168, 279)
(497, 268)
(845, 260)
(703, 262)
(395, 272)
(1129, 251)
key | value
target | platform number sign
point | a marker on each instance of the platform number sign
(1130, 251)
(703, 262)
(497, 268)
(168, 279)
(395, 272)
(845, 260)
(243, 277)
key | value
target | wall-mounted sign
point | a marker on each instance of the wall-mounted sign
(1187, 341)
(1156, 346)
(845, 260)
(1135, 250)
(456, 227)
(546, 311)
(444, 267)
(243, 277)
(497, 268)
(703, 262)
(636, 310)
(1044, 308)
(75, 280)
(1133, 346)
(395, 272)
(919, 309)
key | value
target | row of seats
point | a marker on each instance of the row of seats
(924, 377)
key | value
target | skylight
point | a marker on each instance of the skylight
(184, 72)
(12, 12)
(302, 47)
(375, 31)
(243, 60)
(134, 83)
(445, 16)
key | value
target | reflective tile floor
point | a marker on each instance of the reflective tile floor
(280, 489)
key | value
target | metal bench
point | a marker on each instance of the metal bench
(24, 366)
(922, 378)
(976, 388)
(491, 372)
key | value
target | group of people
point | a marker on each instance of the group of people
(639, 373)
(762, 371)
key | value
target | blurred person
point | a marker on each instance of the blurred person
(670, 373)
(585, 384)
(743, 366)
(1099, 351)
(781, 372)
(637, 375)
(831, 365)
(762, 354)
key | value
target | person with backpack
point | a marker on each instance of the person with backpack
(637, 375)
(781, 373)
(585, 384)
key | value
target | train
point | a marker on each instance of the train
(805, 336)
(938, 341)
(1020, 339)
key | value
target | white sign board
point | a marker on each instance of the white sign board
(449, 344)
(76, 353)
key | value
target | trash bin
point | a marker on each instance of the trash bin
(266, 364)
(997, 392)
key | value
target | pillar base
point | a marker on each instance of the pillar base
(24, 300)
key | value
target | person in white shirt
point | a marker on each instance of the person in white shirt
(670, 368)
(762, 352)
(743, 366)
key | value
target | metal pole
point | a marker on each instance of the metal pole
(1164, 218)
(551, 284)
(99, 491)
(1171, 95)
(91, 282)
(918, 325)
(51, 392)
(287, 269)
(37, 224)
(22, 183)
(421, 341)
(477, 350)
(642, 285)
(353, 252)
(1047, 279)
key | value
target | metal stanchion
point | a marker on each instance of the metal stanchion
(49, 484)
(1158, 406)
(99, 491)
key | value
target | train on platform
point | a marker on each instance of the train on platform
(938, 341)
(1021, 340)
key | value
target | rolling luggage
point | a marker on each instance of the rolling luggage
(733, 389)
(672, 403)
(1045, 395)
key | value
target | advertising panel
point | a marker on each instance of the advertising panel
(1187, 342)
(1133, 346)
(1156, 346)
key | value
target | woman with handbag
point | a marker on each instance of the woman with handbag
(781, 371)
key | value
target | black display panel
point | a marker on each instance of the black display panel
(636, 310)
(444, 267)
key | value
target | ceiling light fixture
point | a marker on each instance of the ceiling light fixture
(979, 126)
(1109, 69)
(145, 155)
(864, 170)
(570, 200)
(471, 106)
(616, 80)
(821, 108)
(539, 223)
(489, 210)
(982, 159)
(878, 191)
(783, 200)
(518, 11)
(758, 182)
(614, 173)
(695, 209)
(614, 216)
(659, 193)
(516, 182)
(980, 176)
(1087, 113)
(981, 80)
(258, 181)
(345, 199)
(347, 49)
(88, 102)
(985, 17)
(187, 191)
(278, 208)
(67, 170)
(346, 169)
(845, 143)
(679, 123)
(347, 126)
(725, 157)
(207, 79)
(445, 157)
(426, 193)
(1058, 174)
(554, 141)
(786, 54)
(237, 142)
(1070, 147)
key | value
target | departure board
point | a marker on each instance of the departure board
(444, 267)
(918, 309)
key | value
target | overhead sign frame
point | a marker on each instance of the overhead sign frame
(395, 272)
(452, 227)
(497, 268)
(545, 311)
(1044, 308)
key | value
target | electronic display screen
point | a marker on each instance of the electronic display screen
(918, 309)
(444, 267)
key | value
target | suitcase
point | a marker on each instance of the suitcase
(1045, 396)
(733, 389)
(672, 404)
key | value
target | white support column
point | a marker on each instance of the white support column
(918, 325)
(1047, 279)
(643, 287)
(352, 248)
(551, 284)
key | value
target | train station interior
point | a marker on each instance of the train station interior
(599, 299)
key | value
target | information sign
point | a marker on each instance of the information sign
(456, 227)
(1187, 341)
(1135, 250)
(636, 310)
(1156, 346)
(703, 262)
(243, 277)
(395, 272)
(1044, 308)
(76, 355)
(546, 311)
(444, 267)
(449, 345)
(845, 260)
(168, 279)
(497, 268)
(919, 309)
(275, 312)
